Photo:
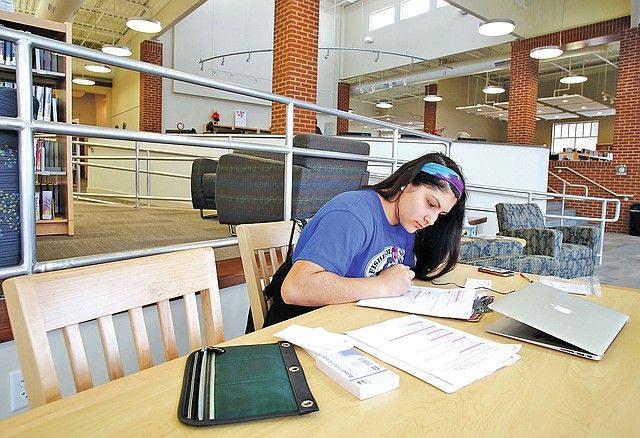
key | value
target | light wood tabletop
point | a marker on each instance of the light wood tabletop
(546, 393)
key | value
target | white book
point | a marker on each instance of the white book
(357, 373)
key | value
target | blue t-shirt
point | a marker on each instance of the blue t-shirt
(351, 236)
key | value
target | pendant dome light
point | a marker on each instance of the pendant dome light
(496, 27)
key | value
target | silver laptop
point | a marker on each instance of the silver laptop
(546, 316)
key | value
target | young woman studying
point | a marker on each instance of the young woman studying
(372, 242)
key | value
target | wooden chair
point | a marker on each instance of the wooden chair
(41, 303)
(263, 248)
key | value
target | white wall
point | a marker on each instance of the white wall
(235, 305)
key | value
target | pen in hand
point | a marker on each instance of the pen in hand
(526, 277)
(395, 254)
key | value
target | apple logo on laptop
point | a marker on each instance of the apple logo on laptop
(561, 309)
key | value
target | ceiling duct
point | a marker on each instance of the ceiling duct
(58, 10)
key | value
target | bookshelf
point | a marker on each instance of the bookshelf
(52, 87)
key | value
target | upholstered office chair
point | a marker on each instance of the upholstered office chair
(203, 185)
(575, 247)
(250, 185)
(64, 300)
(263, 248)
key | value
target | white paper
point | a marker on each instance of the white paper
(447, 358)
(316, 341)
(445, 303)
(579, 289)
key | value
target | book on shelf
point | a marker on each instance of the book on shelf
(37, 206)
(47, 203)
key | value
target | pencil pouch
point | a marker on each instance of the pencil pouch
(243, 383)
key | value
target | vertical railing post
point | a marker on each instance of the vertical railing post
(137, 174)
(24, 84)
(394, 150)
(77, 161)
(148, 178)
(603, 215)
(288, 163)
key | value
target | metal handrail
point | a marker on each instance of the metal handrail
(611, 192)
(564, 191)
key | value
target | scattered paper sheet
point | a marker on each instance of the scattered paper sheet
(447, 358)
(445, 303)
(316, 341)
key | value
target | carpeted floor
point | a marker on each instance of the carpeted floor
(101, 229)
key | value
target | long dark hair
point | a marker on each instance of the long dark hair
(437, 247)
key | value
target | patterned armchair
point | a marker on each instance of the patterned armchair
(249, 185)
(507, 254)
(574, 247)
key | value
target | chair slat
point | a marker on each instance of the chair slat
(193, 322)
(110, 347)
(77, 357)
(140, 339)
(167, 330)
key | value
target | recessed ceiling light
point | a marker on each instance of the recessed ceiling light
(384, 105)
(432, 98)
(112, 49)
(478, 109)
(97, 68)
(83, 81)
(583, 107)
(546, 52)
(573, 79)
(496, 27)
(493, 89)
(145, 25)
(565, 101)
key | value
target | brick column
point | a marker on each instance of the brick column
(295, 61)
(523, 95)
(344, 95)
(430, 109)
(151, 89)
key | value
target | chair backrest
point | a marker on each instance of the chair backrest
(512, 216)
(263, 248)
(41, 303)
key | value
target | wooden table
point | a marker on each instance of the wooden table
(546, 393)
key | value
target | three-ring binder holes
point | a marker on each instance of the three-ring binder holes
(294, 369)
(306, 403)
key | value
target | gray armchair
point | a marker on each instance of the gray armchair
(250, 185)
(575, 247)
(203, 185)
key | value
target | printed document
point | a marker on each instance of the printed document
(442, 356)
(445, 303)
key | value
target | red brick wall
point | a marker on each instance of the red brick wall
(430, 109)
(295, 61)
(151, 89)
(344, 95)
(523, 95)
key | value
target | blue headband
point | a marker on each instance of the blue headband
(445, 174)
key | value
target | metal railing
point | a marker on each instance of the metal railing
(27, 126)
(590, 181)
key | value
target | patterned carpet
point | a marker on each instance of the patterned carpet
(101, 229)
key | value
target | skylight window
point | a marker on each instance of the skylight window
(381, 18)
(412, 8)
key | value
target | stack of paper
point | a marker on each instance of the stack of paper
(445, 303)
(447, 358)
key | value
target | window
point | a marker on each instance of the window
(381, 18)
(411, 8)
(576, 135)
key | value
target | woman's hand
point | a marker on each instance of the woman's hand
(396, 280)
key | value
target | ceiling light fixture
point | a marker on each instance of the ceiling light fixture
(573, 79)
(496, 27)
(432, 98)
(115, 50)
(83, 81)
(546, 52)
(384, 104)
(493, 89)
(97, 68)
(144, 24)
